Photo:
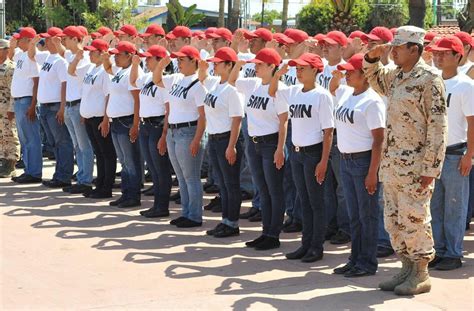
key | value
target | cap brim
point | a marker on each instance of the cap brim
(45, 35)
(255, 61)
(170, 36)
(144, 35)
(90, 48)
(214, 60)
(119, 33)
(177, 54)
(145, 54)
(114, 51)
(346, 67)
(296, 62)
(213, 36)
(16, 36)
(329, 41)
(438, 48)
(372, 37)
(397, 43)
(249, 35)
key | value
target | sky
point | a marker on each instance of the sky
(255, 5)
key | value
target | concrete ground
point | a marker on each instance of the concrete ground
(65, 252)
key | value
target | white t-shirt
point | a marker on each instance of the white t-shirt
(465, 68)
(262, 110)
(52, 73)
(290, 78)
(25, 71)
(74, 83)
(325, 77)
(310, 113)
(152, 103)
(356, 117)
(95, 88)
(174, 62)
(460, 101)
(248, 70)
(121, 101)
(183, 101)
(222, 103)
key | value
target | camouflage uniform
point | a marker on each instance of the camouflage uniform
(414, 146)
(9, 145)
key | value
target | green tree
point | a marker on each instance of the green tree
(390, 13)
(417, 11)
(24, 13)
(268, 16)
(184, 17)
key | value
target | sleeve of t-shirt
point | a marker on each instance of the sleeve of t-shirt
(16, 54)
(169, 80)
(283, 94)
(236, 103)
(41, 56)
(326, 112)
(61, 69)
(342, 91)
(82, 71)
(105, 82)
(198, 93)
(281, 106)
(115, 69)
(375, 114)
(211, 82)
(33, 68)
(468, 102)
(130, 86)
(246, 86)
(141, 80)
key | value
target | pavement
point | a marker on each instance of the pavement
(65, 252)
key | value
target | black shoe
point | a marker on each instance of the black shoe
(178, 201)
(27, 179)
(356, 272)
(312, 255)
(340, 238)
(101, 194)
(255, 242)
(252, 211)
(257, 217)
(156, 213)
(118, 174)
(435, 262)
(149, 192)
(217, 208)
(246, 196)
(67, 189)
(206, 185)
(216, 228)
(447, 264)
(287, 222)
(188, 223)
(117, 202)
(129, 203)
(54, 183)
(175, 196)
(298, 254)
(20, 164)
(175, 182)
(227, 231)
(76, 189)
(212, 189)
(74, 176)
(148, 177)
(329, 235)
(268, 243)
(212, 203)
(15, 178)
(117, 185)
(293, 227)
(383, 252)
(341, 270)
(177, 220)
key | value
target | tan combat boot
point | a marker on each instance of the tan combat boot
(418, 281)
(7, 168)
(400, 277)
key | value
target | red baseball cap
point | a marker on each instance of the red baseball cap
(124, 46)
(222, 32)
(308, 59)
(354, 63)
(25, 32)
(262, 33)
(267, 55)
(73, 32)
(357, 34)
(319, 36)
(96, 35)
(465, 38)
(199, 33)
(97, 45)
(187, 51)
(179, 32)
(335, 37)
(153, 29)
(52, 32)
(154, 51)
(282, 38)
(379, 34)
(449, 43)
(127, 30)
(104, 30)
(429, 36)
(296, 35)
(224, 54)
(84, 30)
(393, 30)
(209, 30)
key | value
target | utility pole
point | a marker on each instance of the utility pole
(263, 12)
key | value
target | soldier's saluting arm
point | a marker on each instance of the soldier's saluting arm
(379, 76)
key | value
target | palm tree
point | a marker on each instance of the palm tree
(234, 16)
(342, 19)
(417, 9)
(284, 15)
(220, 21)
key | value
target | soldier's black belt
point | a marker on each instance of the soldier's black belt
(457, 149)
(73, 103)
(50, 104)
(356, 155)
(19, 98)
(270, 138)
(312, 148)
(153, 119)
(184, 124)
(219, 136)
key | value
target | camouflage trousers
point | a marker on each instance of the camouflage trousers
(408, 219)
(9, 144)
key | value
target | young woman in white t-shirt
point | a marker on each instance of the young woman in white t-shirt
(224, 111)
(95, 96)
(311, 113)
(152, 114)
(267, 120)
(184, 129)
(360, 124)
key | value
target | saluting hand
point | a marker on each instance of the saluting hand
(136, 60)
(379, 50)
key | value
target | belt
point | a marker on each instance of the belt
(270, 138)
(124, 118)
(457, 149)
(219, 136)
(312, 148)
(184, 124)
(73, 103)
(18, 98)
(153, 119)
(50, 104)
(356, 155)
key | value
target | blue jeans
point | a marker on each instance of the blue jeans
(470, 209)
(58, 137)
(292, 200)
(449, 209)
(187, 169)
(249, 152)
(311, 195)
(128, 154)
(30, 138)
(269, 181)
(159, 166)
(384, 238)
(81, 143)
(363, 213)
(336, 209)
(228, 179)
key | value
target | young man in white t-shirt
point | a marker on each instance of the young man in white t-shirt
(449, 204)
(465, 65)
(52, 99)
(23, 90)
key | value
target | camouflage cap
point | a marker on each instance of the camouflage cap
(4, 44)
(406, 34)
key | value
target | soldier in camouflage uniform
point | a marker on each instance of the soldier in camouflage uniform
(9, 145)
(413, 154)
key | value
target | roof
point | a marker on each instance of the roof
(155, 12)
(445, 30)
